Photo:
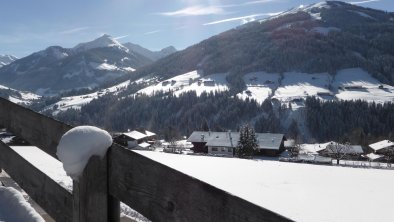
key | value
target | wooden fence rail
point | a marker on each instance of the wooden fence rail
(159, 192)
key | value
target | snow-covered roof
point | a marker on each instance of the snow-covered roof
(333, 147)
(149, 133)
(230, 139)
(373, 156)
(381, 145)
(135, 135)
(144, 145)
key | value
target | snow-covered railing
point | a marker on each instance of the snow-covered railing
(157, 191)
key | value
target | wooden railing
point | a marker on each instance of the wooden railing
(158, 192)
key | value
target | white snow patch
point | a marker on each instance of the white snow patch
(103, 66)
(78, 145)
(259, 86)
(296, 85)
(191, 81)
(14, 207)
(45, 163)
(76, 102)
(129, 69)
(325, 30)
(368, 87)
(301, 192)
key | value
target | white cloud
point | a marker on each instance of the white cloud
(244, 19)
(260, 2)
(363, 2)
(195, 11)
(74, 30)
(152, 32)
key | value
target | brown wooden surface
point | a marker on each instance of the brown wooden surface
(91, 193)
(56, 200)
(37, 129)
(164, 194)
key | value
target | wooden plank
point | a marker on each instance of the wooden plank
(52, 197)
(91, 192)
(164, 194)
(37, 129)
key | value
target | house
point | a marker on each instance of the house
(382, 147)
(135, 139)
(348, 150)
(224, 143)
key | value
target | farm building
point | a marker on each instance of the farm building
(348, 150)
(382, 147)
(135, 139)
(223, 143)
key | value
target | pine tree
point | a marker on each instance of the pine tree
(247, 143)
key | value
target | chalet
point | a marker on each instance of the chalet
(224, 143)
(349, 150)
(382, 147)
(135, 139)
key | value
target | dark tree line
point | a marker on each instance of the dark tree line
(168, 115)
(356, 122)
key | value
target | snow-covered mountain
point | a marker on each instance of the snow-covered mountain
(153, 55)
(20, 97)
(101, 42)
(57, 69)
(6, 59)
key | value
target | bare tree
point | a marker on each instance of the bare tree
(338, 151)
(389, 155)
(294, 150)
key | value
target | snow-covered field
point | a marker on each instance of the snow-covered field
(25, 97)
(290, 87)
(191, 81)
(301, 192)
(296, 85)
(76, 102)
(370, 90)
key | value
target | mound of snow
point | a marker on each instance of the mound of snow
(78, 145)
(13, 207)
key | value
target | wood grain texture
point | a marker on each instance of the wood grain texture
(90, 193)
(37, 129)
(52, 197)
(163, 194)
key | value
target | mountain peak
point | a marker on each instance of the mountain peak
(102, 41)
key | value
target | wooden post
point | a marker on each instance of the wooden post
(90, 193)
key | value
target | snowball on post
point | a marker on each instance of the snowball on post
(79, 144)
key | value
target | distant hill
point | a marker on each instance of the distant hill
(152, 55)
(323, 37)
(58, 69)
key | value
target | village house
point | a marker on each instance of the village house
(136, 139)
(382, 147)
(224, 143)
(349, 151)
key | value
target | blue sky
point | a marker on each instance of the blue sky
(29, 26)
